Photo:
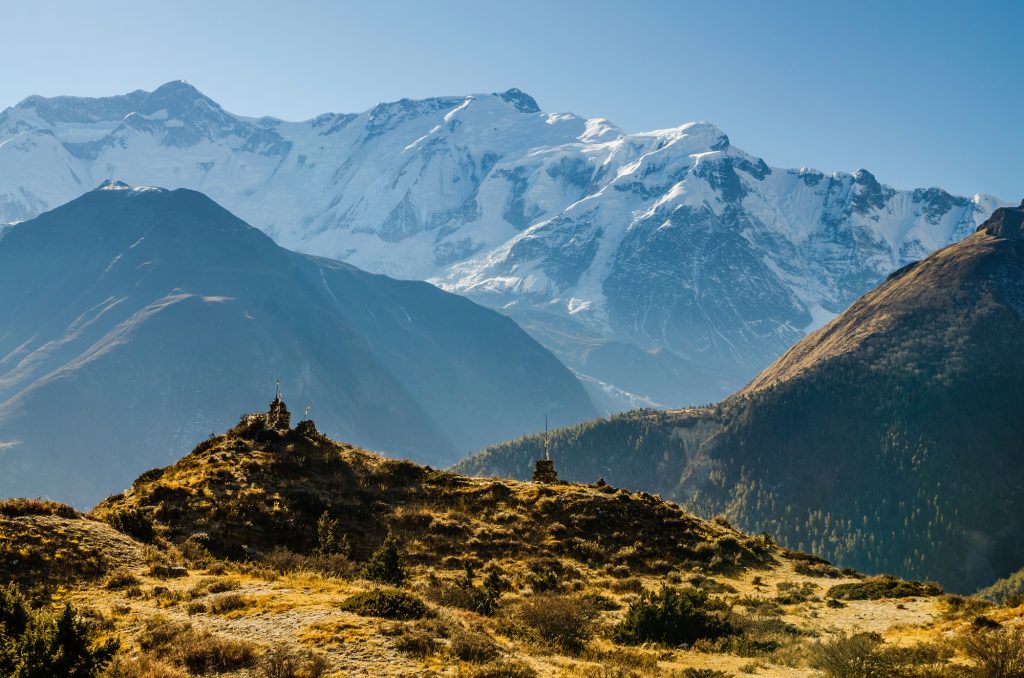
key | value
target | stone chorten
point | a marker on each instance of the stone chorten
(278, 417)
(545, 470)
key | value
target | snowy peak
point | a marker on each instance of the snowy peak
(672, 251)
(177, 98)
(112, 185)
(522, 101)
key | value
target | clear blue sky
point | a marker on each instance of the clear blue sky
(920, 93)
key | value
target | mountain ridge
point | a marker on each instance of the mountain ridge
(689, 260)
(142, 304)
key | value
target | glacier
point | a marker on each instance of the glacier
(665, 268)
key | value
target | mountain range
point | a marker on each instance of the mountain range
(664, 267)
(890, 440)
(134, 320)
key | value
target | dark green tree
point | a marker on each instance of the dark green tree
(672, 616)
(330, 539)
(33, 645)
(385, 565)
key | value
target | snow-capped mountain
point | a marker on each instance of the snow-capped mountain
(663, 267)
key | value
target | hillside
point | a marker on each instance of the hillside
(262, 548)
(666, 267)
(888, 441)
(137, 320)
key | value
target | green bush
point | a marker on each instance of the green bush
(884, 586)
(385, 565)
(33, 645)
(672, 616)
(386, 603)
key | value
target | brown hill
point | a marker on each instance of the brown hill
(259, 487)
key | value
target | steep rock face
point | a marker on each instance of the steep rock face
(700, 261)
(135, 320)
(888, 440)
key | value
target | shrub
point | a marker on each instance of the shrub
(503, 669)
(385, 565)
(283, 561)
(386, 603)
(165, 571)
(959, 607)
(711, 585)
(628, 585)
(330, 539)
(791, 593)
(601, 602)
(818, 570)
(543, 582)
(229, 603)
(34, 645)
(203, 653)
(466, 595)
(672, 616)
(563, 622)
(133, 522)
(416, 643)
(208, 585)
(996, 653)
(1013, 600)
(705, 673)
(473, 646)
(864, 655)
(143, 666)
(196, 549)
(856, 656)
(121, 580)
(281, 662)
(634, 660)
(884, 586)
(13, 508)
(200, 652)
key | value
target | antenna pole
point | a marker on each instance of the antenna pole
(547, 457)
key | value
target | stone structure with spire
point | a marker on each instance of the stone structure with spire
(545, 470)
(279, 418)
